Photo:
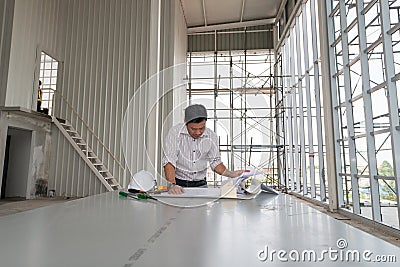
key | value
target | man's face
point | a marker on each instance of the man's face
(196, 129)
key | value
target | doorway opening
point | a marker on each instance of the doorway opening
(16, 164)
(47, 83)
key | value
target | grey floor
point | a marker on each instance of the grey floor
(14, 205)
(107, 230)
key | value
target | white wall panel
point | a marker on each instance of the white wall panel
(107, 58)
(6, 21)
(105, 50)
(36, 26)
(180, 47)
(168, 48)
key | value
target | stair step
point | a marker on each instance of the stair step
(61, 120)
(76, 137)
(97, 164)
(65, 125)
(102, 171)
(108, 178)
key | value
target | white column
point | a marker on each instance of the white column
(349, 110)
(152, 90)
(392, 95)
(301, 104)
(335, 191)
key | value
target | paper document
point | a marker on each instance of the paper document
(250, 171)
(211, 193)
(245, 182)
(195, 192)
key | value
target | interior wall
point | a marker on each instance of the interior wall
(106, 59)
(180, 56)
(169, 30)
(36, 26)
(105, 55)
(108, 55)
(19, 163)
(6, 23)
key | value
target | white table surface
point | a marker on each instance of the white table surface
(107, 230)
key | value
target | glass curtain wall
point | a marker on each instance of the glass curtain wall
(299, 111)
(364, 44)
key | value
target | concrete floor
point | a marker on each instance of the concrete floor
(377, 232)
(14, 205)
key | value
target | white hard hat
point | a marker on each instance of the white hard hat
(142, 180)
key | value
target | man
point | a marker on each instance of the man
(188, 147)
(39, 98)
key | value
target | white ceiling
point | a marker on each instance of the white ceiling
(200, 13)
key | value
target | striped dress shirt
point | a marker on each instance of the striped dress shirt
(189, 156)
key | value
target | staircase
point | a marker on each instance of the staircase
(87, 154)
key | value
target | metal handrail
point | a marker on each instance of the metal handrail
(84, 123)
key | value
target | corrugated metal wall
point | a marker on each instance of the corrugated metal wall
(6, 7)
(257, 37)
(107, 49)
(109, 53)
(105, 60)
(36, 27)
(168, 47)
(180, 46)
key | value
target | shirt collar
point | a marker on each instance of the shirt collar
(184, 130)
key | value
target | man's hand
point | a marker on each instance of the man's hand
(222, 170)
(233, 174)
(175, 190)
(237, 173)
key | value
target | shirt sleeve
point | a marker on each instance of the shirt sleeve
(214, 153)
(170, 148)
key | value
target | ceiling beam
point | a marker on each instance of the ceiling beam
(204, 13)
(232, 25)
(241, 15)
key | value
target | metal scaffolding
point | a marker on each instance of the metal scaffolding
(241, 100)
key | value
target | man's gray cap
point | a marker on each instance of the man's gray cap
(195, 111)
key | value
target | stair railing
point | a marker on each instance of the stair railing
(84, 125)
